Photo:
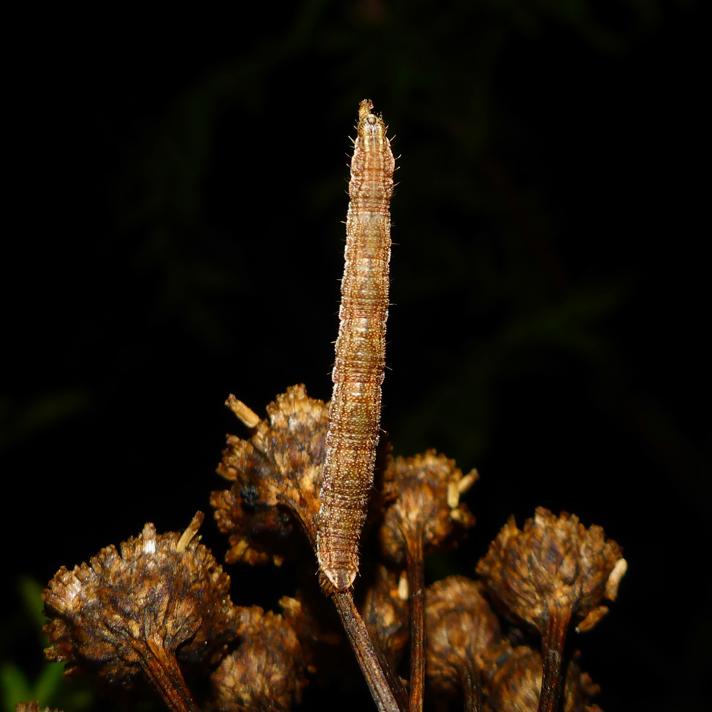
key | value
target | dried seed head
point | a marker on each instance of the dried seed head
(463, 636)
(266, 672)
(552, 563)
(423, 493)
(516, 684)
(276, 477)
(385, 612)
(160, 594)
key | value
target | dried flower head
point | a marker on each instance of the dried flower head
(266, 672)
(463, 637)
(516, 684)
(385, 613)
(131, 610)
(552, 571)
(423, 511)
(276, 477)
(423, 499)
(33, 707)
(552, 561)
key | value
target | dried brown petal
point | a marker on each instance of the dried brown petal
(275, 474)
(423, 496)
(463, 637)
(516, 684)
(385, 613)
(130, 610)
(552, 562)
(265, 673)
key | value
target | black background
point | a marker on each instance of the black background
(173, 234)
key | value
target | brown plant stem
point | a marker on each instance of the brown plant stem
(372, 665)
(471, 682)
(552, 652)
(161, 668)
(416, 586)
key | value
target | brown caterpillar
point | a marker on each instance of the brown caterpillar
(355, 409)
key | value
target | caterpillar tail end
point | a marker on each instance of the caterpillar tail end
(341, 580)
(335, 573)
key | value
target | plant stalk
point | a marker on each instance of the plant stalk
(470, 679)
(368, 659)
(161, 668)
(416, 586)
(552, 652)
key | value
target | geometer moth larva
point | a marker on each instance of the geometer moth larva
(355, 408)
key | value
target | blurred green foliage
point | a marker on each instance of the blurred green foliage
(47, 686)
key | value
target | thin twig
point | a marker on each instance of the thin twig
(368, 659)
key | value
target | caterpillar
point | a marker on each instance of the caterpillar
(355, 408)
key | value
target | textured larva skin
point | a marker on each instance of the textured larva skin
(355, 409)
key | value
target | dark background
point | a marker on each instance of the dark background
(173, 234)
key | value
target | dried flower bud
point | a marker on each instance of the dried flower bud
(132, 610)
(265, 673)
(552, 561)
(463, 637)
(385, 613)
(516, 684)
(277, 472)
(423, 498)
